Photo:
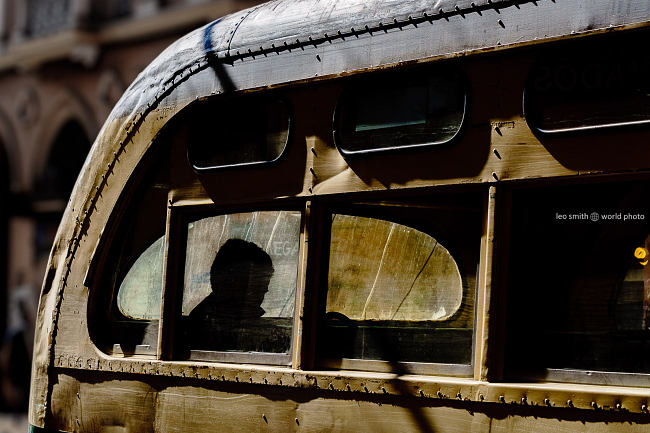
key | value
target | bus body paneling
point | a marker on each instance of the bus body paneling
(310, 53)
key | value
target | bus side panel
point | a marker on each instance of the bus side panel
(118, 402)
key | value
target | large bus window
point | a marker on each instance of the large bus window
(227, 132)
(579, 281)
(240, 285)
(401, 283)
(400, 110)
(597, 86)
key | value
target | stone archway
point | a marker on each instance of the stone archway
(62, 165)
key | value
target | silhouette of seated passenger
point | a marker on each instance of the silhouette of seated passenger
(229, 317)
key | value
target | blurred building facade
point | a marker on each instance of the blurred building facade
(63, 65)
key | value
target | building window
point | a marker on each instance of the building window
(601, 85)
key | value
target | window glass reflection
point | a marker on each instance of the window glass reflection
(400, 110)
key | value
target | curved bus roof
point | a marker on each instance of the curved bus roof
(273, 44)
(277, 42)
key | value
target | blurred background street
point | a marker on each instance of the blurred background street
(13, 422)
(63, 66)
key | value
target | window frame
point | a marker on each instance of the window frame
(401, 367)
(530, 111)
(179, 215)
(381, 77)
(566, 376)
(222, 100)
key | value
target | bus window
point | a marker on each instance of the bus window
(599, 85)
(237, 132)
(400, 110)
(578, 290)
(240, 285)
(401, 284)
(138, 296)
(131, 279)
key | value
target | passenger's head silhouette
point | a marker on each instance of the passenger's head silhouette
(240, 276)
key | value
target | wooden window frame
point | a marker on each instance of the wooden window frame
(532, 107)
(102, 262)
(478, 358)
(420, 72)
(266, 97)
(178, 216)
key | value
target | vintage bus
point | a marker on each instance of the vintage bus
(364, 216)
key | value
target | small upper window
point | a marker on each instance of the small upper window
(400, 110)
(229, 132)
(598, 86)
